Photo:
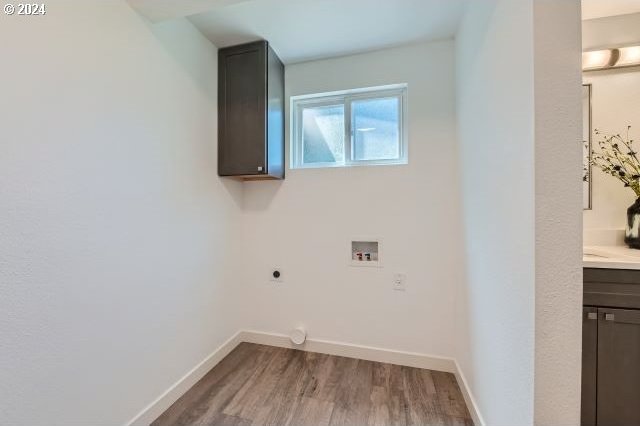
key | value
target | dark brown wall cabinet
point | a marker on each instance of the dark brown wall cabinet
(250, 112)
(611, 348)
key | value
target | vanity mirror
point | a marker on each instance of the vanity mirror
(587, 146)
(611, 157)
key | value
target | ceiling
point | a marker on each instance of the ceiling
(592, 9)
(161, 10)
(302, 30)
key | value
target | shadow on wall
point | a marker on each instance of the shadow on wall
(235, 189)
(176, 37)
(260, 201)
(180, 46)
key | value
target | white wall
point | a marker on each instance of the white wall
(558, 212)
(615, 105)
(115, 227)
(519, 113)
(495, 129)
(611, 31)
(304, 224)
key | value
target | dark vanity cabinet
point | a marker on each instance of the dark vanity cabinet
(611, 348)
(250, 112)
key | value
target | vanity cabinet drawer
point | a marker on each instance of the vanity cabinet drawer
(615, 288)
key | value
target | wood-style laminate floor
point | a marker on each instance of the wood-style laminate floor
(264, 385)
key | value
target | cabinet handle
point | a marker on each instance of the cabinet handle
(592, 316)
(609, 317)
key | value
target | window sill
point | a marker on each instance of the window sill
(346, 166)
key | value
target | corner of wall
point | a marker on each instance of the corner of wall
(558, 211)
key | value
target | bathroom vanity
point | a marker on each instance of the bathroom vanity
(611, 337)
(611, 299)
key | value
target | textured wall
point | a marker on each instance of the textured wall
(519, 131)
(558, 197)
(115, 227)
(495, 306)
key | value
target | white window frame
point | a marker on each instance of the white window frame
(346, 98)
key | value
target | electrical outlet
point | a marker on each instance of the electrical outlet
(399, 282)
(276, 276)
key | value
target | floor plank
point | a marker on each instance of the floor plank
(354, 395)
(262, 386)
(221, 419)
(423, 406)
(254, 393)
(215, 390)
(312, 412)
(449, 395)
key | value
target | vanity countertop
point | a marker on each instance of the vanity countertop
(610, 257)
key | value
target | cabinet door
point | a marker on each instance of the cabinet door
(242, 110)
(618, 367)
(589, 365)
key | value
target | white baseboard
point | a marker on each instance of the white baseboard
(179, 388)
(409, 359)
(472, 406)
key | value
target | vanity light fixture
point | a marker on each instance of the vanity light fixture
(611, 58)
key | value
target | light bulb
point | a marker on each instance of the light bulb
(596, 59)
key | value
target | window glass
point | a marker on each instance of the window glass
(376, 129)
(323, 134)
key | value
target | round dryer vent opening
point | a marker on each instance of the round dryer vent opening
(298, 335)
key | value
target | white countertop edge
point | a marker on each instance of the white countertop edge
(598, 264)
(611, 257)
